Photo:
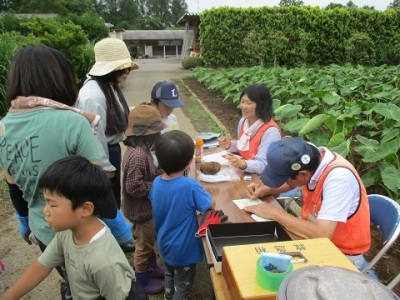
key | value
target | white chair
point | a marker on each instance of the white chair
(394, 282)
(385, 214)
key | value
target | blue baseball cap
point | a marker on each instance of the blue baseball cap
(284, 159)
(168, 93)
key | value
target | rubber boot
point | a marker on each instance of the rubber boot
(156, 270)
(24, 229)
(150, 285)
(122, 231)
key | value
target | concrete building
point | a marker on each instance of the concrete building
(153, 43)
(164, 43)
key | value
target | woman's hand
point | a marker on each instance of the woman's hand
(235, 160)
(224, 142)
(110, 174)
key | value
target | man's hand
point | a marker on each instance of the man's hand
(262, 210)
(257, 190)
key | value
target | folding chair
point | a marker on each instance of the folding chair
(289, 196)
(385, 214)
(394, 282)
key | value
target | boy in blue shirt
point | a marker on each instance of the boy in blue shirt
(175, 200)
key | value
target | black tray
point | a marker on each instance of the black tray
(234, 234)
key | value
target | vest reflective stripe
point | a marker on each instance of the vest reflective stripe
(352, 237)
(256, 139)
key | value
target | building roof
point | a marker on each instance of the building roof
(153, 34)
(188, 17)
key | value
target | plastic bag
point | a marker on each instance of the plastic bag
(227, 173)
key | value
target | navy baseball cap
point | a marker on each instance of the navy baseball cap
(168, 93)
(284, 159)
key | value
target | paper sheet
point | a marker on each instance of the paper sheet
(259, 219)
(242, 203)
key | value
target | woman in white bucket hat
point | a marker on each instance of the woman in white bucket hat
(102, 95)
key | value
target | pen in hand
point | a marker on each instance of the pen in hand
(252, 191)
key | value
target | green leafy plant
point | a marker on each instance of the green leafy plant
(8, 47)
(190, 63)
(360, 49)
(354, 111)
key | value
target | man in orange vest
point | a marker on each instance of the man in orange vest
(334, 196)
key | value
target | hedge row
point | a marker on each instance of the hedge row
(294, 36)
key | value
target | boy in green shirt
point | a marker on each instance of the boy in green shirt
(74, 190)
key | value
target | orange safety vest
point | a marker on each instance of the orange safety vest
(352, 237)
(255, 140)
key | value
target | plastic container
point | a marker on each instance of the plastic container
(198, 150)
(269, 280)
(329, 282)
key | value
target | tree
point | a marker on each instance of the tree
(42, 6)
(160, 9)
(368, 7)
(123, 13)
(351, 4)
(334, 5)
(395, 4)
(93, 26)
(283, 3)
(79, 7)
(9, 5)
(128, 13)
(178, 9)
(143, 8)
(150, 23)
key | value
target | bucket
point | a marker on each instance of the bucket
(329, 282)
(270, 280)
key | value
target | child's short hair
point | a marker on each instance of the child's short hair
(77, 179)
(174, 150)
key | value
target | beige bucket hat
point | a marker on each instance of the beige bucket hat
(144, 120)
(111, 54)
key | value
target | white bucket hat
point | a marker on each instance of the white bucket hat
(111, 54)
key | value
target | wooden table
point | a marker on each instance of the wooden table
(225, 192)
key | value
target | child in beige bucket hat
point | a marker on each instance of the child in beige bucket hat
(138, 173)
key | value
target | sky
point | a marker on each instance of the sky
(196, 6)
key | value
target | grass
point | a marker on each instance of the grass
(201, 120)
